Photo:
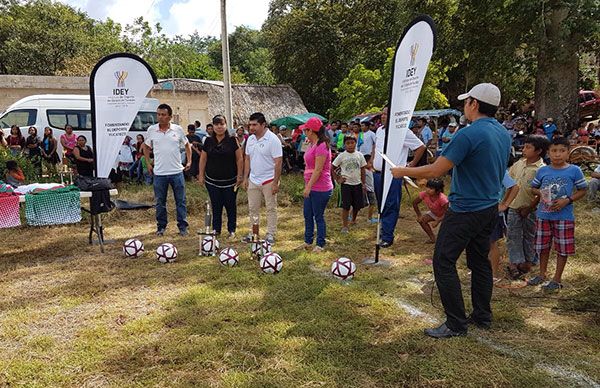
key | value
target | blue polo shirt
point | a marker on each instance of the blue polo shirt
(480, 156)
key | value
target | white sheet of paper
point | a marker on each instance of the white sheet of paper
(387, 160)
(392, 165)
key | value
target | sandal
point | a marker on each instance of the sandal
(513, 272)
(552, 286)
(536, 281)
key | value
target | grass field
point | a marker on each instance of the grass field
(70, 316)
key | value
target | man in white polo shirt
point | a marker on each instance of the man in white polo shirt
(262, 170)
(167, 140)
(391, 209)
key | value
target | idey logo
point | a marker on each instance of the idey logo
(414, 49)
(120, 76)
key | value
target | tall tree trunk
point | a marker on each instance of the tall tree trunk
(557, 74)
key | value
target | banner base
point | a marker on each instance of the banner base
(377, 263)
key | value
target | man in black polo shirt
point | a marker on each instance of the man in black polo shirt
(478, 155)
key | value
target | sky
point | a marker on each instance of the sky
(178, 17)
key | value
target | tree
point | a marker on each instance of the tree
(366, 91)
(42, 37)
(177, 57)
(568, 27)
(248, 56)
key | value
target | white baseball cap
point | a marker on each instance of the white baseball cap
(488, 93)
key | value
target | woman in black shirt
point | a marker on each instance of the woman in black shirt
(34, 151)
(84, 157)
(221, 170)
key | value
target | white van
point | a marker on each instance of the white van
(57, 110)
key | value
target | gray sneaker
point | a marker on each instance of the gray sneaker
(160, 232)
(344, 231)
(183, 232)
(247, 238)
(270, 238)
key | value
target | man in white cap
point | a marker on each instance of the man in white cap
(478, 155)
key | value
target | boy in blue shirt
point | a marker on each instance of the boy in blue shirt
(558, 185)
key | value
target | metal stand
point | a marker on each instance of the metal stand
(214, 245)
(207, 231)
(96, 228)
(375, 260)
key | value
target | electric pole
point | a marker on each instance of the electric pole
(226, 69)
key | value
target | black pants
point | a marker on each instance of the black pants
(219, 198)
(471, 232)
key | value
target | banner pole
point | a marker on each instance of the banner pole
(378, 242)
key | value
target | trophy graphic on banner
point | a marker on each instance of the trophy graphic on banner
(208, 239)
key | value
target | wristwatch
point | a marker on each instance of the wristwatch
(570, 200)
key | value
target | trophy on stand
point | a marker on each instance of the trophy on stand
(208, 232)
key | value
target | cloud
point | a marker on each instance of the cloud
(179, 17)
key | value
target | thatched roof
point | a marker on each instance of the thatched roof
(274, 101)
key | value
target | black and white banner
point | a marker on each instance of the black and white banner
(118, 86)
(411, 61)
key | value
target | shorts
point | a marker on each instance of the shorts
(562, 232)
(433, 216)
(370, 199)
(499, 228)
(352, 196)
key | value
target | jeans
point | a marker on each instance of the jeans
(391, 210)
(520, 238)
(471, 232)
(136, 170)
(314, 212)
(161, 186)
(219, 198)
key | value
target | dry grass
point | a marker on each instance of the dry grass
(70, 316)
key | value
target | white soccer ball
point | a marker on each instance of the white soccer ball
(166, 253)
(271, 263)
(343, 268)
(133, 248)
(229, 257)
(260, 249)
(208, 243)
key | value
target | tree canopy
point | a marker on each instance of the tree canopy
(336, 53)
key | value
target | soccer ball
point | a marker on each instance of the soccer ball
(166, 253)
(206, 248)
(133, 248)
(260, 249)
(343, 268)
(271, 263)
(229, 257)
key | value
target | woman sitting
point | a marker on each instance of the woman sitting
(14, 174)
(84, 157)
(16, 141)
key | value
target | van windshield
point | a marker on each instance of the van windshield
(19, 117)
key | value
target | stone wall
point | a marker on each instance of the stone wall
(190, 99)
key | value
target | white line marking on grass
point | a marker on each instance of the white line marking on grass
(563, 374)
(415, 312)
(568, 375)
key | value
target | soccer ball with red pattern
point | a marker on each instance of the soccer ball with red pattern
(208, 243)
(133, 248)
(271, 263)
(261, 248)
(166, 253)
(229, 257)
(343, 268)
